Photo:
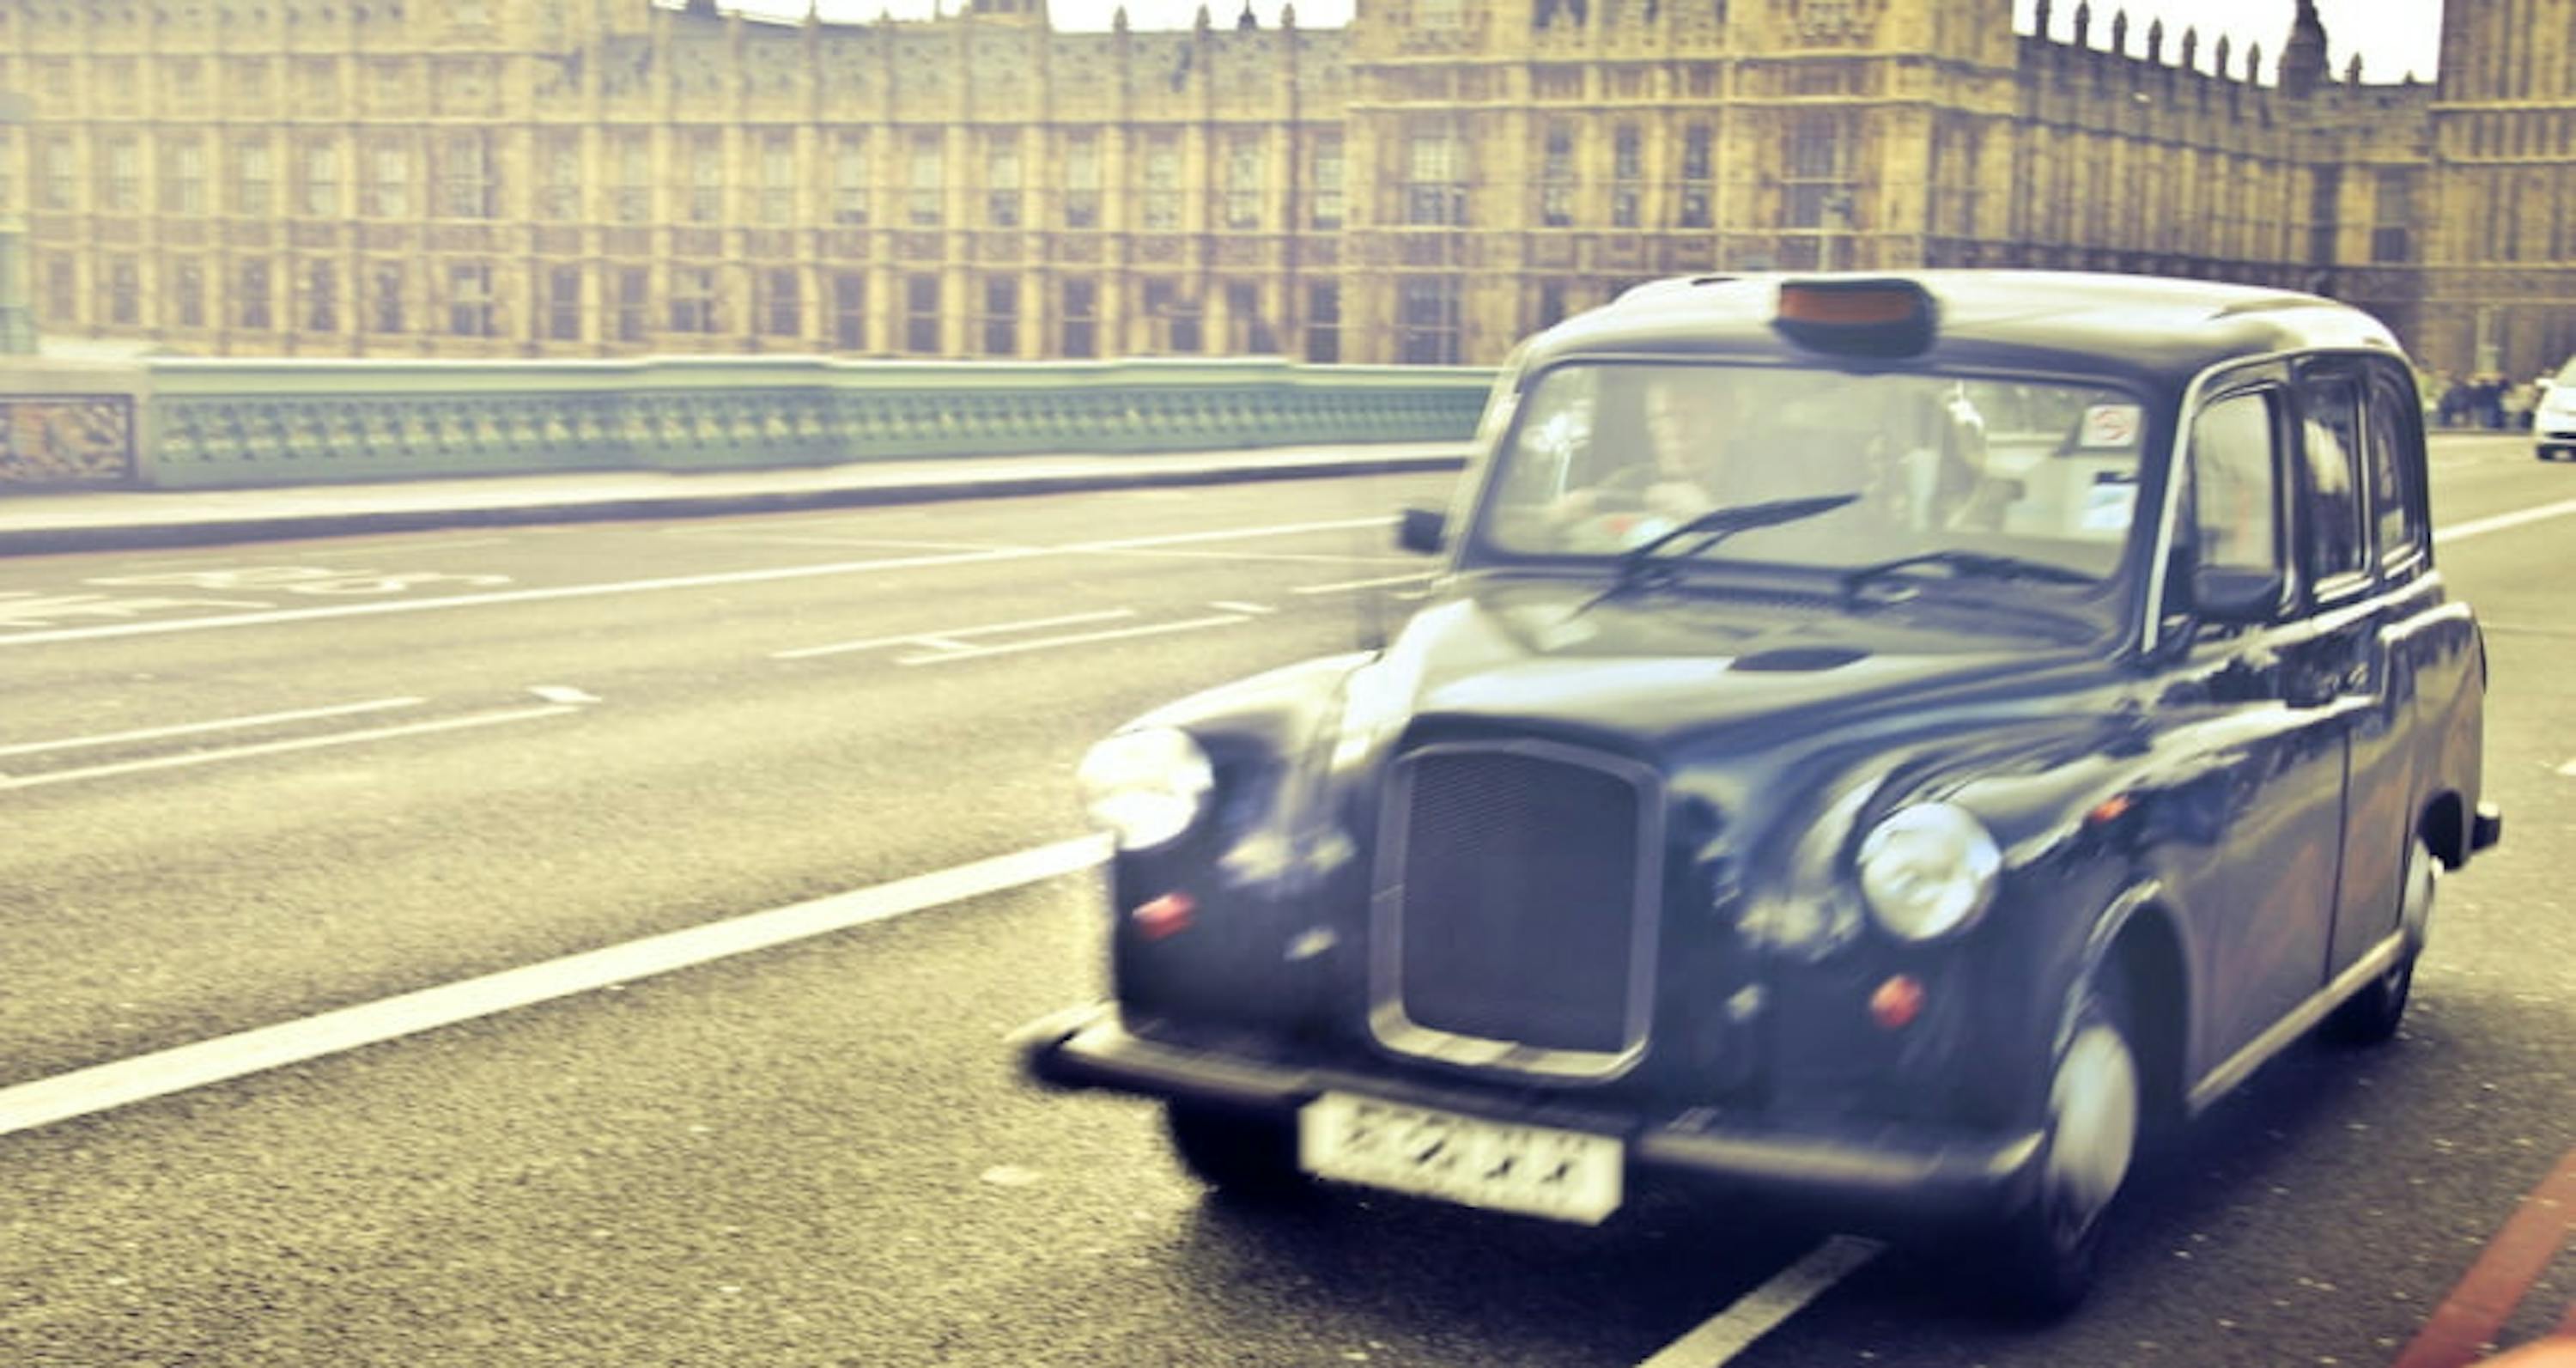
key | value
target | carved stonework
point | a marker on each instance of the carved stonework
(66, 439)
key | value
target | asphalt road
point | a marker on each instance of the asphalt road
(252, 785)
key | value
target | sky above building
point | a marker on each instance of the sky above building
(2393, 37)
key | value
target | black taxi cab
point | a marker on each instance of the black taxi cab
(1880, 742)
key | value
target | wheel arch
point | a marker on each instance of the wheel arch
(2139, 939)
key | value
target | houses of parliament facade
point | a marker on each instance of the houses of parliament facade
(598, 178)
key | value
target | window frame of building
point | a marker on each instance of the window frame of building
(706, 201)
(632, 200)
(1002, 179)
(563, 305)
(1558, 188)
(1247, 181)
(921, 313)
(1158, 199)
(1627, 176)
(1000, 323)
(1082, 180)
(1330, 169)
(317, 189)
(850, 311)
(782, 302)
(121, 291)
(693, 304)
(387, 284)
(1324, 322)
(2393, 215)
(59, 187)
(471, 307)
(559, 189)
(62, 292)
(1434, 189)
(778, 179)
(321, 301)
(183, 175)
(850, 179)
(120, 175)
(1429, 319)
(253, 290)
(925, 181)
(469, 176)
(185, 289)
(1247, 326)
(634, 303)
(388, 187)
(1695, 205)
(1081, 320)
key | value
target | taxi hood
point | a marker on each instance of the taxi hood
(1651, 672)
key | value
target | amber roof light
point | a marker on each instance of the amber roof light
(1860, 317)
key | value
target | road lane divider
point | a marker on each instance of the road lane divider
(1345, 586)
(105, 1087)
(1730, 1332)
(2479, 527)
(299, 743)
(217, 724)
(945, 636)
(942, 657)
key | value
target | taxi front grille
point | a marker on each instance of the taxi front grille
(1516, 909)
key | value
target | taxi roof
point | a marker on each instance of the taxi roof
(2154, 331)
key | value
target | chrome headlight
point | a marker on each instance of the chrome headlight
(1145, 787)
(1928, 870)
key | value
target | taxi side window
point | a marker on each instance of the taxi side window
(2334, 538)
(2235, 510)
(2396, 470)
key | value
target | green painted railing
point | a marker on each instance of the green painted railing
(228, 423)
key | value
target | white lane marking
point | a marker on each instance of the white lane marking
(218, 724)
(1233, 606)
(944, 636)
(1757, 1313)
(569, 591)
(106, 1086)
(1182, 538)
(1305, 558)
(576, 591)
(2568, 769)
(209, 757)
(562, 693)
(1359, 584)
(2479, 527)
(820, 539)
(1116, 634)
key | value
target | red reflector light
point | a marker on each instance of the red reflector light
(1168, 915)
(2110, 809)
(1897, 1002)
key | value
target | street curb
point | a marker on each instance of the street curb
(223, 531)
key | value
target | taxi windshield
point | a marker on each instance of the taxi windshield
(1610, 456)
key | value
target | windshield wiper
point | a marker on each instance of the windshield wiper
(1712, 527)
(1981, 564)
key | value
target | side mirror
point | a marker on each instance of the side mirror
(2235, 594)
(1422, 530)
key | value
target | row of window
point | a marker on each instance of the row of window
(693, 304)
(2309, 478)
(464, 181)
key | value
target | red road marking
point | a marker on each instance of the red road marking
(2477, 1308)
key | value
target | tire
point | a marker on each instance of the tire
(2049, 1254)
(2372, 1015)
(1247, 1157)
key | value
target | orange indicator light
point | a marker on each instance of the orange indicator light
(1897, 1002)
(1166, 916)
(2108, 810)
(1847, 306)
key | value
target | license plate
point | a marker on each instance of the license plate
(1499, 1166)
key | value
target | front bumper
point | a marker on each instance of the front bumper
(1888, 1175)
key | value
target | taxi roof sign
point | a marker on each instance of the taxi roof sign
(1861, 317)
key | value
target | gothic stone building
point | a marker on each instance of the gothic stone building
(584, 178)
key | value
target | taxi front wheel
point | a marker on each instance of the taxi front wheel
(2047, 1255)
(1247, 1157)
